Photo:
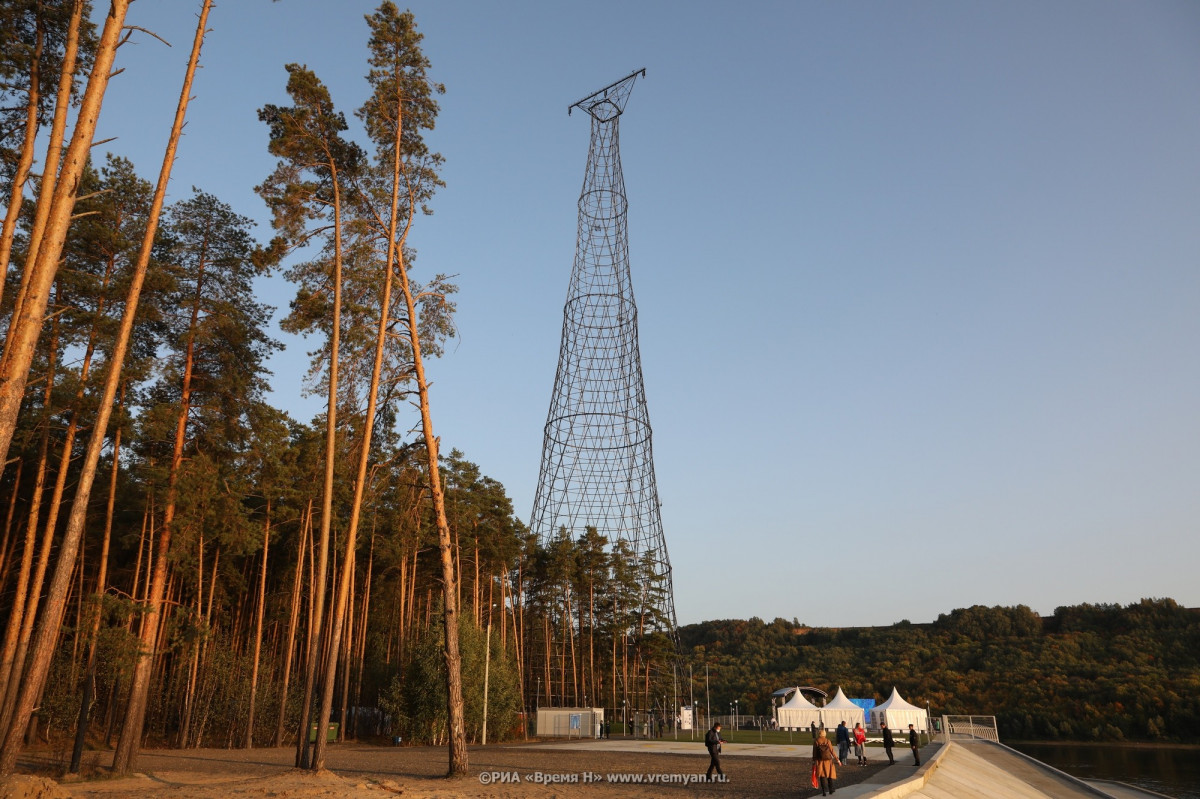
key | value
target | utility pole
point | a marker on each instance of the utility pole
(487, 662)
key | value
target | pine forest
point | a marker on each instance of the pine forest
(184, 564)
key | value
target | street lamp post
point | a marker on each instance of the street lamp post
(692, 699)
(675, 699)
(707, 703)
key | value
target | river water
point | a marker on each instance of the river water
(1174, 771)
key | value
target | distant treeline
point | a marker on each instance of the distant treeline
(1089, 672)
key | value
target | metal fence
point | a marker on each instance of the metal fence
(970, 728)
(742, 721)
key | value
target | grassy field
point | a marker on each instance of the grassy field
(735, 736)
(766, 736)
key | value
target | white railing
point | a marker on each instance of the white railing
(970, 727)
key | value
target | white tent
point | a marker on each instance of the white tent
(841, 709)
(898, 714)
(797, 713)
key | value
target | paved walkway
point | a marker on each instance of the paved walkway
(963, 770)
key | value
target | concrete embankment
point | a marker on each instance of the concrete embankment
(983, 770)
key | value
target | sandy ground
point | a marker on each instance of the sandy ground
(361, 771)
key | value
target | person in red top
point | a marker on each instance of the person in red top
(860, 742)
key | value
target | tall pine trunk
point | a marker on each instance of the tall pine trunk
(25, 159)
(139, 692)
(16, 634)
(25, 326)
(317, 649)
(55, 505)
(360, 479)
(89, 684)
(62, 104)
(262, 605)
(6, 548)
(456, 732)
(290, 646)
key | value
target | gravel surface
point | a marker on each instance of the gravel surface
(360, 770)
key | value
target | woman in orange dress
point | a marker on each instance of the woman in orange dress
(824, 763)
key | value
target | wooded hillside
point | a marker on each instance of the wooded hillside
(1089, 672)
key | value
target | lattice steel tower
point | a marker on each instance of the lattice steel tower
(597, 466)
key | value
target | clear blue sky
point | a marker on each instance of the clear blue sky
(918, 283)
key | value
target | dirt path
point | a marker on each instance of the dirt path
(360, 771)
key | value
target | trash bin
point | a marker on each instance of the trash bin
(331, 733)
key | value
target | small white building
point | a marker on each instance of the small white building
(569, 722)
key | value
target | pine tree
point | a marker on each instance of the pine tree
(220, 348)
(306, 194)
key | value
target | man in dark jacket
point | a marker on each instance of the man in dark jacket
(914, 743)
(713, 740)
(843, 742)
(888, 742)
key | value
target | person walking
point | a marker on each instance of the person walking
(843, 742)
(824, 759)
(860, 743)
(914, 743)
(713, 740)
(888, 742)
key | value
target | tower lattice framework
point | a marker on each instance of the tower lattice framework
(597, 467)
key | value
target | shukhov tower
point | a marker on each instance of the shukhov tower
(597, 469)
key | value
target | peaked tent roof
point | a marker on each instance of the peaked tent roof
(840, 702)
(896, 702)
(798, 702)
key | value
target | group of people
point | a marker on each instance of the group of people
(825, 759)
(847, 738)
